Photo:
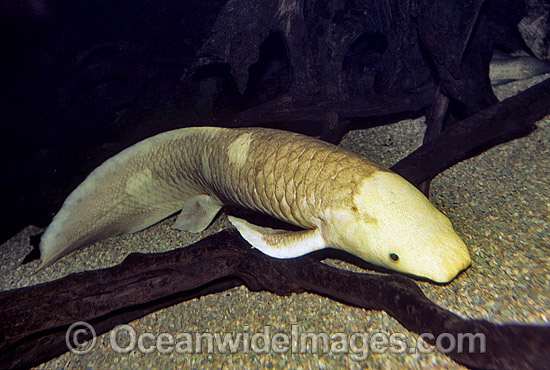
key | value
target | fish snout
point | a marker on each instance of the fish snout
(448, 265)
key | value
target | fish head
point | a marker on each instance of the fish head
(393, 225)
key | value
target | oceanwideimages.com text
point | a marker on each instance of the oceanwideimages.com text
(358, 345)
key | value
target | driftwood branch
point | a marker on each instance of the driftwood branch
(33, 331)
(500, 122)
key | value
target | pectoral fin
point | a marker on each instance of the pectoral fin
(197, 213)
(279, 243)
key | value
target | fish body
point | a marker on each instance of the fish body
(506, 68)
(339, 198)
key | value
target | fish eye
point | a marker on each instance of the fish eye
(394, 256)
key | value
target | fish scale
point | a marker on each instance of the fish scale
(277, 178)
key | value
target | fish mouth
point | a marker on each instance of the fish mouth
(453, 258)
(445, 276)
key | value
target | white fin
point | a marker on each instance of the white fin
(197, 213)
(279, 243)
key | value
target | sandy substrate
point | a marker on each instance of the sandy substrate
(499, 202)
